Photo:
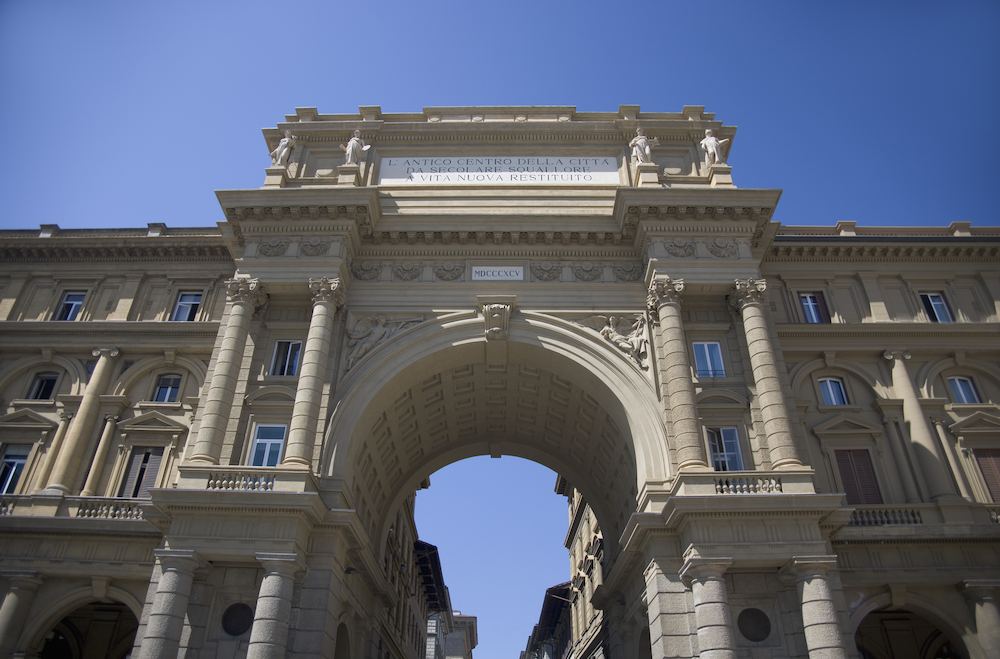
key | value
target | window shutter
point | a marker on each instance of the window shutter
(136, 471)
(824, 311)
(858, 476)
(989, 464)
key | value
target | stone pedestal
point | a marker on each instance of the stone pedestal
(647, 174)
(720, 175)
(349, 175)
(275, 177)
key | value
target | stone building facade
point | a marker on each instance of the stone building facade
(778, 441)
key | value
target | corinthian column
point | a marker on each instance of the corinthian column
(66, 472)
(244, 296)
(932, 463)
(328, 294)
(749, 299)
(664, 302)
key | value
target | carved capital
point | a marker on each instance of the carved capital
(698, 568)
(326, 289)
(807, 567)
(244, 290)
(105, 352)
(664, 290)
(748, 291)
(893, 355)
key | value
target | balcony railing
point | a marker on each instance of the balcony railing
(243, 478)
(748, 485)
(889, 515)
(726, 483)
(106, 508)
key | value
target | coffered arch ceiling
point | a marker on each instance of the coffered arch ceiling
(551, 393)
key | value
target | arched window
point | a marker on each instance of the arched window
(832, 391)
(963, 390)
(43, 385)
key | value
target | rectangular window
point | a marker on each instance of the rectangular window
(963, 390)
(267, 444)
(814, 308)
(858, 476)
(936, 307)
(708, 359)
(70, 305)
(724, 445)
(168, 387)
(186, 308)
(15, 456)
(989, 464)
(832, 391)
(286, 358)
(143, 469)
(43, 385)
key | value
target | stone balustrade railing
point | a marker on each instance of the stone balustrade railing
(994, 514)
(713, 483)
(241, 478)
(7, 505)
(888, 515)
(105, 508)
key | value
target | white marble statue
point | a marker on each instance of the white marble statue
(354, 150)
(714, 149)
(279, 157)
(642, 146)
(632, 344)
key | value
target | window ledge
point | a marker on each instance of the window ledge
(154, 405)
(839, 408)
(33, 402)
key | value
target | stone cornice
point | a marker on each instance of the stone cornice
(932, 249)
(142, 335)
(889, 330)
(142, 250)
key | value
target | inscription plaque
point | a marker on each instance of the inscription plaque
(497, 273)
(499, 170)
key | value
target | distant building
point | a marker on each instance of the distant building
(552, 636)
(776, 440)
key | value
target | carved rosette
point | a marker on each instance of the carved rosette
(679, 248)
(243, 290)
(663, 290)
(497, 319)
(546, 271)
(629, 272)
(449, 271)
(588, 271)
(326, 289)
(366, 270)
(315, 247)
(273, 248)
(723, 248)
(748, 291)
(407, 271)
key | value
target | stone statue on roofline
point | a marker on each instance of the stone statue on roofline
(642, 146)
(354, 150)
(714, 149)
(279, 157)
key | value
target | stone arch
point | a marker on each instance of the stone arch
(929, 373)
(272, 393)
(546, 367)
(66, 603)
(803, 372)
(917, 604)
(146, 366)
(343, 644)
(70, 367)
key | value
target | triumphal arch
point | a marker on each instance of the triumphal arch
(775, 441)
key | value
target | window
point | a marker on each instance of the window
(708, 359)
(858, 476)
(143, 468)
(43, 385)
(14, 458)
(814, 308)
(989, 464)
(724, 445)
(267, 444)
(936, 308)
(168, 387)
(832, 391)
(186, 307)
(69, 307)
(286, 358)
(963, 390)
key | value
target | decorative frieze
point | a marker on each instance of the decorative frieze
(449, 271)
(369, 331)
(273, 248)
(366, 270)
(407, 271)
(546, 271)
(313, 247)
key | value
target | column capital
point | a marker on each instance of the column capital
(108, 352)
(805, 567)
(748, 291)
(981, 590)
(284, 563)
(893, 355)
(699, 568)
(22, 579)
(327, 289)
(244, 289)
(664, 290)
(182, 560)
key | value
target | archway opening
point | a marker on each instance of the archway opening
(98, 629)
(903, 634)
(343, 649)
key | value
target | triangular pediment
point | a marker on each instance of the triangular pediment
(845, 425)
(976, 423)
(26, 419)
(152, 421)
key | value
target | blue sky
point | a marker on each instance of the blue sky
(122, 113)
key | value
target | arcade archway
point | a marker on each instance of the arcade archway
(900, 633)
(97, 629)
